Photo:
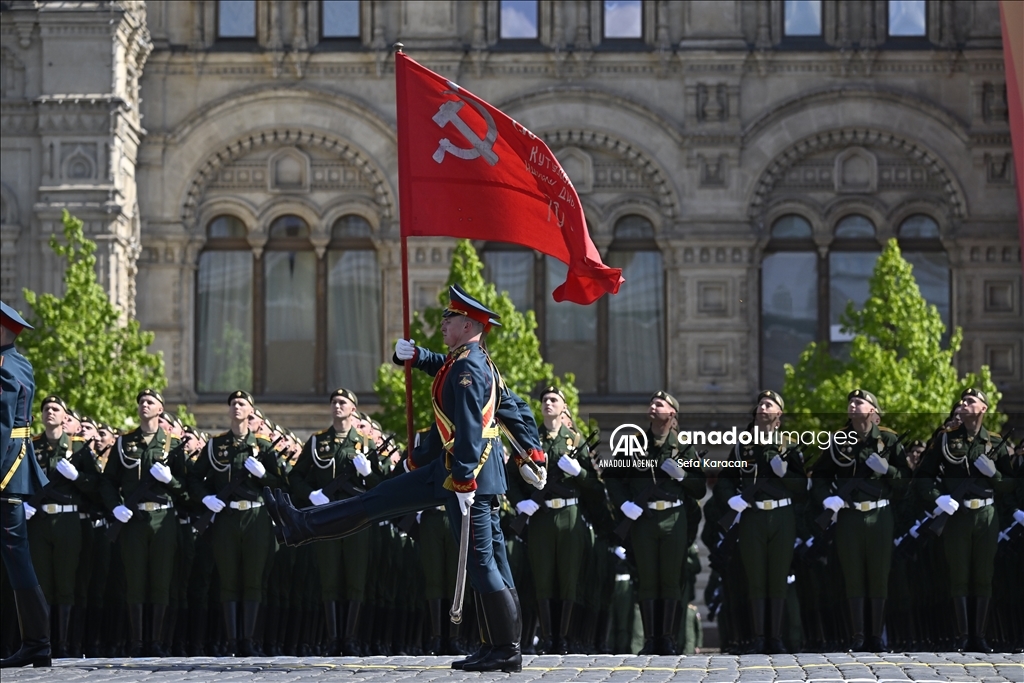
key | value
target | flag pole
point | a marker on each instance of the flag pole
(404, 207)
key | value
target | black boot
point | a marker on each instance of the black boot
(757, 626)
(856, 624)
(504, 626)
(434, 644)
(271, 643)
(135, 648)
(350, 643)
(562, 645)
(250, 614)
(298, 527)
(874, 642)
(978, 643)
(667, 639)
(775, 646)
(60, 647)
(485, 638)
(231, 627)
(34, 622)
(960, 614)
(331, 626)
(647, 619)
(156, 646)
(546, 643)
(199, 617)
(171, 630)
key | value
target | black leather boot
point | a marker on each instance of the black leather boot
(197, 646)
(271, 642)
(647, 619)
(434, 644)
(485, 637)
(978, 642)
(667, 640)
(135, 648)
(156, 646)
(298, 527)
(874, 642)
(231, 627)
(546, 643)
(960, 614)
(350, 643)
(250, 614)
(60, 647)
(775, 646)
(34, 622)
(562, 645)
(856, 624)
(331, 627)
(504, 624)
(171, 629)
(757, 608)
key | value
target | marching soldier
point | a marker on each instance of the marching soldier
(555, 545)
(660, 532)
(962, 473)
(20, 478)
(55, 531)
(228, 479)
(338, 451)
(762, 491)
(867, 471)
(139, 472)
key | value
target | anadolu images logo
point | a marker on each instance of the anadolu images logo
(628, 441)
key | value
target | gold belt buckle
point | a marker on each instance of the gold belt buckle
(556, 503)
(51, 508)
(661, 505)
(148, 507)
(864, 507)
(768, 505)
(974, 503)
(243, 505)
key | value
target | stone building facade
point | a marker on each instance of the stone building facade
(237, 164)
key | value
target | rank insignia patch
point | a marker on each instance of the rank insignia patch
(465, 379)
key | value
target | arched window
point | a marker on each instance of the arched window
(224, 309)
(511, 269)
(354, 303)
(851, 263)
(289, 272)
(919, 241)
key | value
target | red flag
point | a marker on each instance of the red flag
(465, 169)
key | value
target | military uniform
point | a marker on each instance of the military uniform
(241, 532)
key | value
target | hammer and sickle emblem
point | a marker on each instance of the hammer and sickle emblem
(449, 113)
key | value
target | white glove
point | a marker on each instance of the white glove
(985, 465)
(738, 504)
(318, 498)
(532, 478)
(214, 503)
(419, 517)
(405, 349)
(631, 509)
(1019, 516)
(672, 469)
(527, 507)
(570, 466)
(123, 514)
(877, 463)
(161, 472)
(620, 552)
(29, 510)
(779, 466)
(466, 501)
(915, 529)
(362, 465)
(947, 504)
(833, 503)
(67, 470)
(255, 467)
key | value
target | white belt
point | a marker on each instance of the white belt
(99, 523)
(772, 504)
(384, 523)
(244, 504)
(153, 507)
(977, 503)
(442, 508)
(622, 577)
(184, 521)
(556, 503)
(54, 509)
(664, 504)
(869, 505)
(83, 515)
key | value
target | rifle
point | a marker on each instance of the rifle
(622, 530)
(138, 495)
(824, 520)
(938, 522)
(340, 482)
(37, 500)
(224, 494)
(519, 523)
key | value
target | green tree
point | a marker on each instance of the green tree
(896, 353)
(513, 346)
(80, 348)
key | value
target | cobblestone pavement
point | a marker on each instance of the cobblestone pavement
(805, 668)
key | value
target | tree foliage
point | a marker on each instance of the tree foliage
(514, 347)
(81, 349)
(896, 353)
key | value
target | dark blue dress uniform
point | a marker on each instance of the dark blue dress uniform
(20, 478)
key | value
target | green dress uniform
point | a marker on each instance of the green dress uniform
(326, 456)
(55, 530)
(149, 539)
(555, 543)
(241, 533)
(767, 529)
(950, 467)
(864, 525)
(659, 536)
